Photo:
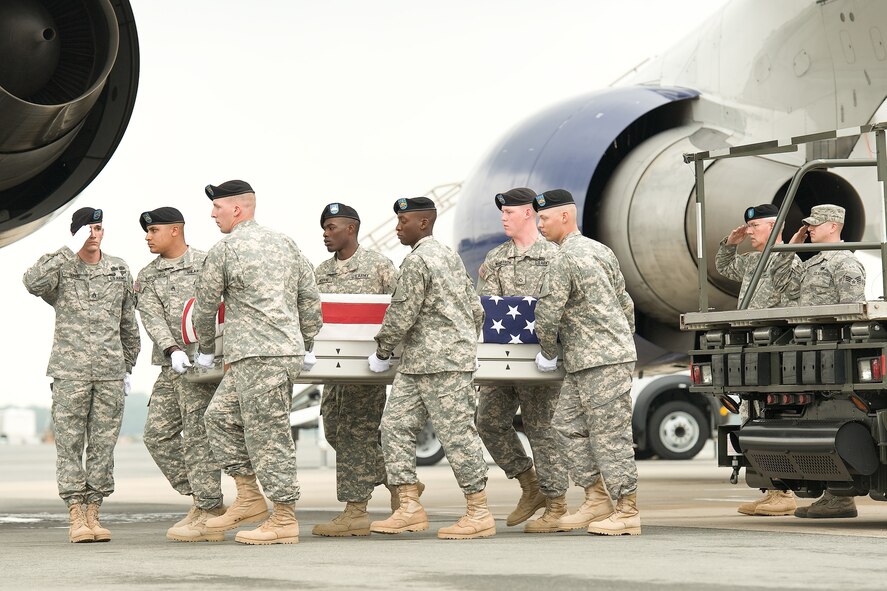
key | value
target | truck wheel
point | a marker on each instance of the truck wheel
(677, 431)
(429, 450)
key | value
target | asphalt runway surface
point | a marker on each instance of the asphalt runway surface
(692, 539)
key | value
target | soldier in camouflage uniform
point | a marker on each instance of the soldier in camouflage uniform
(272, 313)
(351, 413)
(437, 316)
(759, 223)
(830, 277)
(94, 350)
(174, 430)
(584, 301)
(516, 268)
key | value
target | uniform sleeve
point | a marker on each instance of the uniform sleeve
(153, 314)
(624, 299)
(308, 303)
(477, 309)
(556, 287)
(42, 279)
(782, 266)
(389, 276)
(129, 328)
(210, 287)
(406, 302)
(727, 263)
(787, 281)
(487, 280)
(850, 281)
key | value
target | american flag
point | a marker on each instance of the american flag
(509, 319)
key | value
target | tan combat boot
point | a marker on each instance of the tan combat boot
(280, 528)
(196, 530)
(79, 531)
(92, 522)
(549, 522)
(477, 522)
(395, 498)
(192, 514)
(249, 506)
(625, 520)
(597, 505)
(353, 521)
(409, 515)
(749, 508)
(829, 507)
(777, 502)
(531, 499)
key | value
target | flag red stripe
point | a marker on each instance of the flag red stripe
(188, 305)
(356, 313)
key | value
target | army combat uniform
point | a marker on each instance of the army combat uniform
(174, 430)
(437, 316)
(506, 271)
(585, 302)
(352, 413)
(272, 312)
(96, 342)
(830, 277)
(741, 267)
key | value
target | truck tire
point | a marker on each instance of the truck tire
(429, 449)
(678, 431)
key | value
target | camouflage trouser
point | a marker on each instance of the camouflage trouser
(176, 437)
(248, 424)
(351, 416)
(449, 400)
(594, 416)
(496, 407)
(91, 413)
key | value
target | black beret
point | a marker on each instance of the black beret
(338, 210)
(407, 204)
(767, 210)
(85, 216)
(553, 198)
(228, 189)
(159, 216)
(519, 196)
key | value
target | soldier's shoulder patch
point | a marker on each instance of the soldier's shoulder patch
(854, 280)
(482, 272)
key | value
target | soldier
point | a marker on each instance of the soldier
(516, 268)
(830, 277)
(437, 316)
(759, 223)
(174, 430)
(94, 350)
(584, 302)
(351, 413)
(272, 312)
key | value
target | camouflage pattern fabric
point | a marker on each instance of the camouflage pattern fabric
(86, 413)
(594, 413)
(741, 267)
(351, 413)
(508, 272)
(272, 307)
(434, 312)
(164, 286)
(584, 299)
(248, 423)
(176, 437)
(448, 399)
(830, 277)
(96, 335)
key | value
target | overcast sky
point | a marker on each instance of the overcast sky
(312, 102)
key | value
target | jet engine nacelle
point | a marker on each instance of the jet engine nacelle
(68, 81)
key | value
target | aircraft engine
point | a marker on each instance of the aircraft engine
(68, 81)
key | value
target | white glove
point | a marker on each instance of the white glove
(205, 360)
(379, 365)
(127, 383)
(76, 242)
(309, 361)
(545, 365)
(180, 361)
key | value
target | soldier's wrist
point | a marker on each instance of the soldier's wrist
(169, 350)
(382, 356)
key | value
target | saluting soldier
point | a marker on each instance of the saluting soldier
(584, 302)
(272, 313)
(516, 268)
(351, 413)
(174, 429)
(95, 347)
(436, 315)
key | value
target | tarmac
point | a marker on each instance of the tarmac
(692, 538)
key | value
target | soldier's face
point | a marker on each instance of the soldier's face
(93, 244)
(822, 232)
(336, 234)
(548, 225)
(759, 231)
(512, 219)
(409, 227)
(159, 238)
(224, 212)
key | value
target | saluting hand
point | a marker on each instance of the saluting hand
(737, 236)
(800, 235)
